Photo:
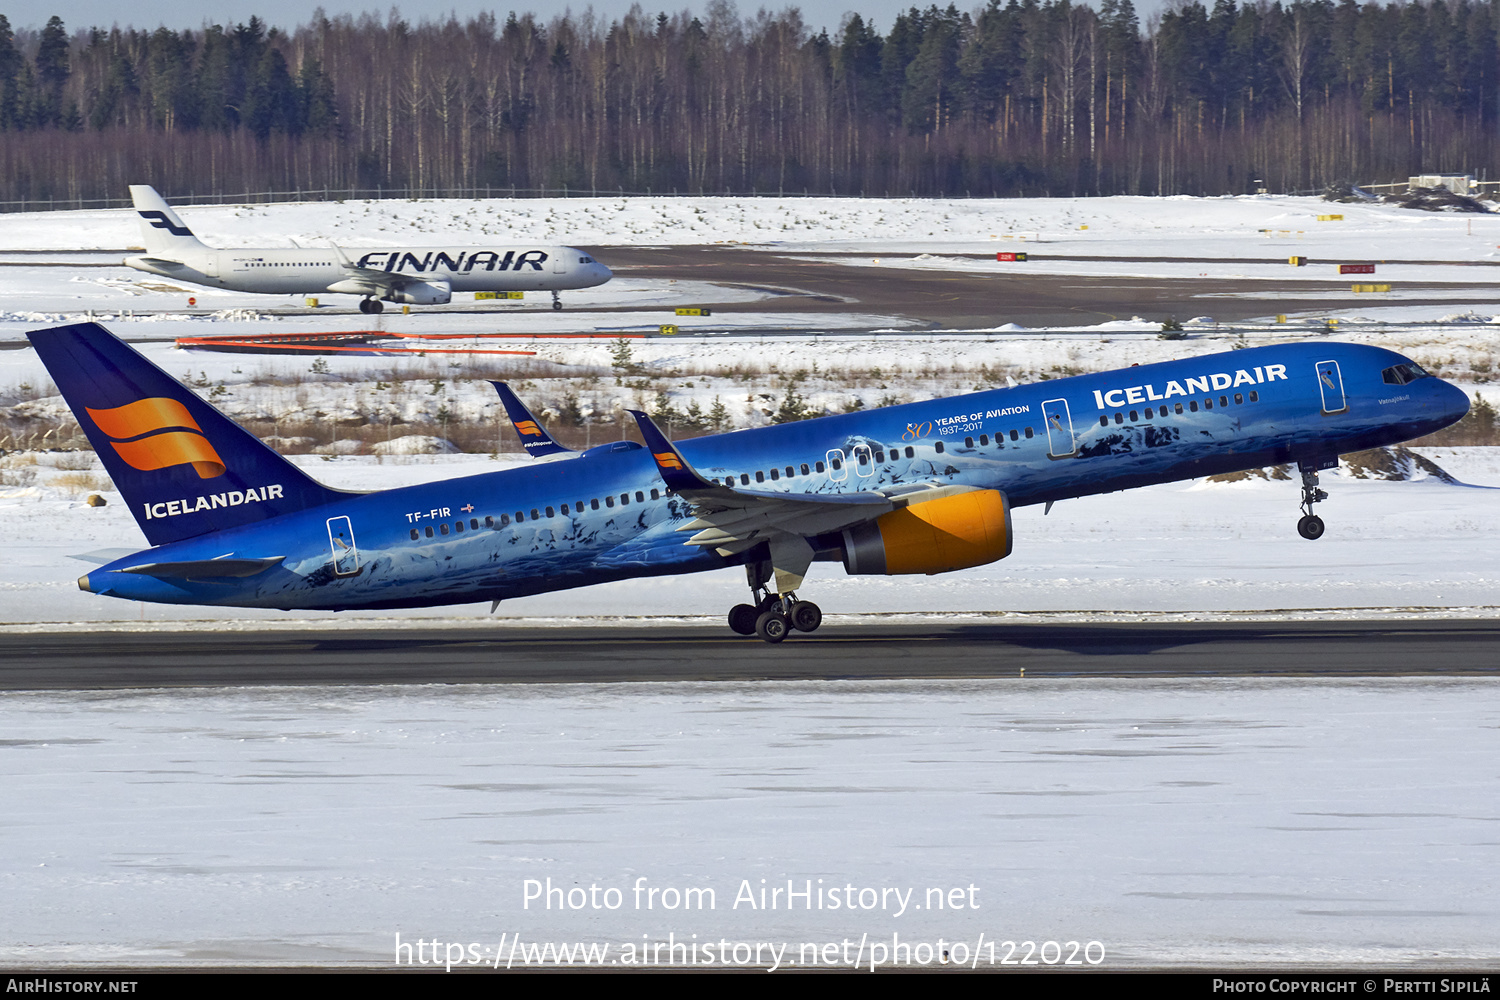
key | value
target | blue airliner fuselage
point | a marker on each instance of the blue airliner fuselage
(613, 513)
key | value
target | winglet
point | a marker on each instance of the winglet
(679, 476)
(534, 439)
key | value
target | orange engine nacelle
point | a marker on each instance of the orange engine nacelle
(955, 532)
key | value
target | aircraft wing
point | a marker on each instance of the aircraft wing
(367, 280)
(534, 438)
(732, 520)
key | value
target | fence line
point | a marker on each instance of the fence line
(326, 194)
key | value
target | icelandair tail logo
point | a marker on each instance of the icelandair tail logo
(528, 427)
(666, 460)
(159, 220)
(148, 435)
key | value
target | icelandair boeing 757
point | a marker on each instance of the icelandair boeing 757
(414, 275)
(919, 488)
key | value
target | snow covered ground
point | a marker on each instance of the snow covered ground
(1217, 823)
(1223, 231)
(1213, 823)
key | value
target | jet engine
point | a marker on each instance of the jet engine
(422, 293)
(954, 532)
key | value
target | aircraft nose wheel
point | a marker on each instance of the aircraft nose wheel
(1311, 525)
(556, 302)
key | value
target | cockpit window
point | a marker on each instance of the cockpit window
(1402, 374)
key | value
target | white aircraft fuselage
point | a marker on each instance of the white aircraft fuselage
(415, 275)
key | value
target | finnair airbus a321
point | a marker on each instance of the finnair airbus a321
(919, 488)
(413, 275)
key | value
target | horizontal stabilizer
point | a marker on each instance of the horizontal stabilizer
(200, 569)
(101, 556)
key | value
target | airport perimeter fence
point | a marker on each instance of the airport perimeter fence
(305, 195)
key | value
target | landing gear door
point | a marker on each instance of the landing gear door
(1331, 385)
(1061, 442)
(341, 541)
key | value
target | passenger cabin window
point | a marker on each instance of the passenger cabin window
(938, 447)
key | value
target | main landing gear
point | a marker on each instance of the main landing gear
(556, 302)
(1311, 525)
(371, 305)
(773, 616)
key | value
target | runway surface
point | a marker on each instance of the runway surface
(959, 300)
(505, 654)
(945, 299)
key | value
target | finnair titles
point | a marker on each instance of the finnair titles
(412, 276)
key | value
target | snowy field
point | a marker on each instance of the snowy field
(1211, 823)
(1225, 232)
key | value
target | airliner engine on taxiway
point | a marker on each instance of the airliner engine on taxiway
(413, 275)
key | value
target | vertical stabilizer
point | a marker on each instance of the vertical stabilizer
(162, 232)
(184, 468)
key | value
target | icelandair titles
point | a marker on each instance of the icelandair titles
(233, 498)
(1208, 383)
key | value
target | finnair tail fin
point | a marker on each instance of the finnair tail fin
(184, 468)
(534, 438)
(162, 232)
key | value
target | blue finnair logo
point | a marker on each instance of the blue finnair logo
(159, 220)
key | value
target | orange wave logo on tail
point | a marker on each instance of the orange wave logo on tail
(528, 427)
(152, 434)
(666, 460)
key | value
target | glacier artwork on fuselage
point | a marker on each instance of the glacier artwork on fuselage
(918, 488)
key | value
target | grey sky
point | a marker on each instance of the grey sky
(151, 14)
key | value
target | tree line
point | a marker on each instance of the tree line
(1021, 97)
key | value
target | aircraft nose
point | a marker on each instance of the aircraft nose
(1453, 401)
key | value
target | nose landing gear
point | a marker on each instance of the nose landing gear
(556, 302)
(1311, 525)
